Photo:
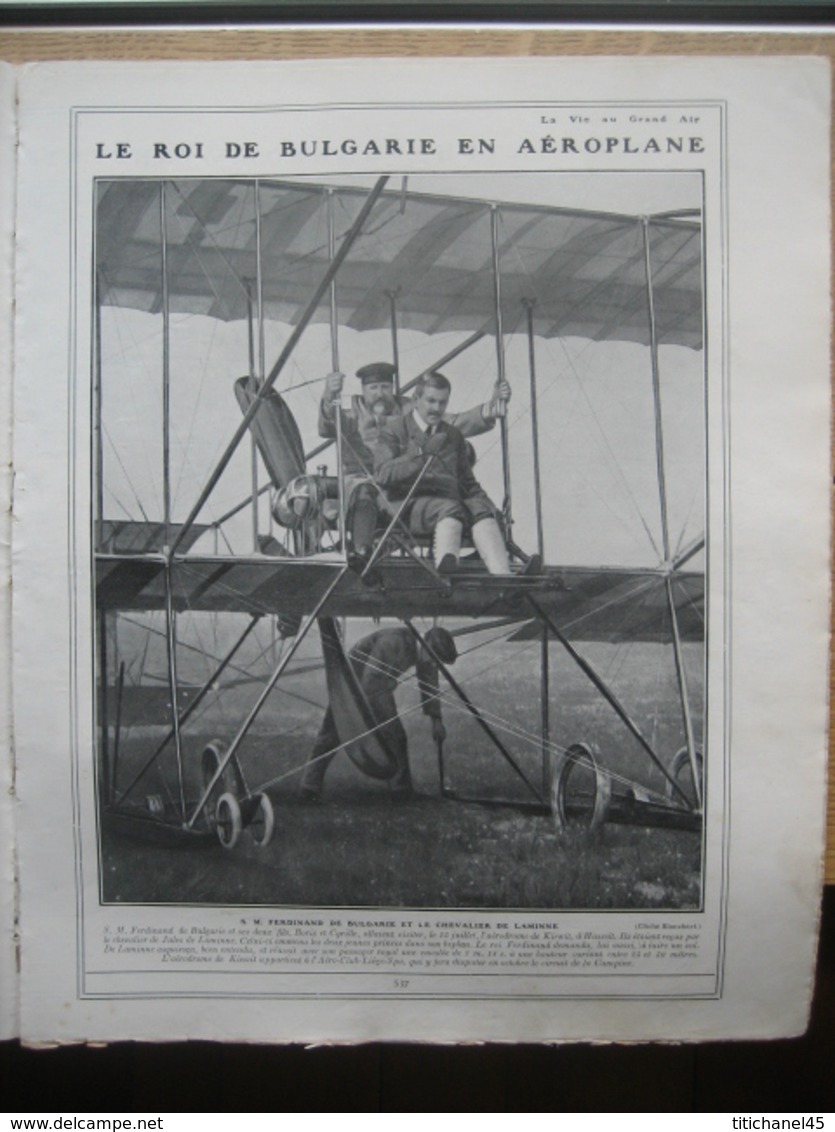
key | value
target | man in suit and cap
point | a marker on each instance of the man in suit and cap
(420, 454)
(379, 661)
(368, 414)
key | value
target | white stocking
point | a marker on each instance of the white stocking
(447, 538)
(489, 543)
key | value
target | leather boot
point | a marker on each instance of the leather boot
(489, 543)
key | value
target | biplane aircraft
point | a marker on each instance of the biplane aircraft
(220, 304)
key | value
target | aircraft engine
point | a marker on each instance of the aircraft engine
(297, 503)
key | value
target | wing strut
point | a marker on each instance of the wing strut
(681, 676)
(395, 350)
(609, 696)
(173, 680)
(334, 321)
(117, 728)
(290, 345)
(97, 425)
(105, 784)
(170, 614)
(500, 367)
(656, 395)
(544, 656)
(166, 367)
(261, 360)
(253, 382)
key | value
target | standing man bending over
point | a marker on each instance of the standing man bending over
(380, 660)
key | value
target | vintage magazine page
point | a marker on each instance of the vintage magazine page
(421, 548)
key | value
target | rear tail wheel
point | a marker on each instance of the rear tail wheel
(580, 791)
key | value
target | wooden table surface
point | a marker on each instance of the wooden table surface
(276, 43)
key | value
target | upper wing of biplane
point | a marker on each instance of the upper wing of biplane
(585, 271)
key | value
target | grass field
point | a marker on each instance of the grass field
(360, 848)
(426, 853)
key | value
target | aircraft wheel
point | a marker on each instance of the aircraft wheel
(682, 771)
(228, 822)
(580, 791)
(262, 824)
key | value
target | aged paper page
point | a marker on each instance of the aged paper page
(571, 789)
(8, 970)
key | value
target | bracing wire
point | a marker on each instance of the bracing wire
(195, 248)
(690, 603)
(126, 474)
(500, 722)
(124, 352)
(111, 494)
(696, 497)
(450, 701)
(571, 367)
(211, 657)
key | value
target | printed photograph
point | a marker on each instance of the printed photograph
(399, 514)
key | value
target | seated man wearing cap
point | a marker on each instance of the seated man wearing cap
(380, 660)
(369, 413)
(420, 453)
